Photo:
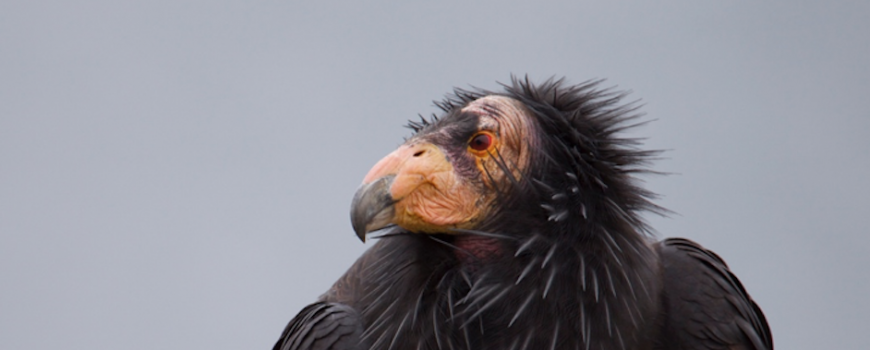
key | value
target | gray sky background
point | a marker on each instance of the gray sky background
(177, 174)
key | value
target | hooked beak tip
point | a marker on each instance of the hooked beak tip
(372, 207)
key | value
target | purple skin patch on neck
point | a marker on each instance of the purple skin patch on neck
(481, 248)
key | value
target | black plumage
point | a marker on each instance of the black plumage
(557, 258)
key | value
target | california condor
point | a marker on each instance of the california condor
(512, 221)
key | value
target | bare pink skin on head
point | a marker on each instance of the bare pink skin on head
(510, 122)
(431, 197)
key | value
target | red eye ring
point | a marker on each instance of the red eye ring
(480, 142)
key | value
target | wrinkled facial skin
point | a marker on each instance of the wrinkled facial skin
(512, 125)
(426, 191)
(448, 177)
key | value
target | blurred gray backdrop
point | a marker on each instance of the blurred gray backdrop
(177, 174)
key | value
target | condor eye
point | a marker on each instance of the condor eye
(480, 142)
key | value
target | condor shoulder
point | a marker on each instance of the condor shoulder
(323, 326)
(705, 305)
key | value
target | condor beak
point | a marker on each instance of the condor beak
(413, 187)
(372, 206)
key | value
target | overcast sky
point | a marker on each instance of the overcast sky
(177, 174)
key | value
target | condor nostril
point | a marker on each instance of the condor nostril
(419, 153)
